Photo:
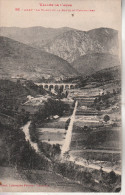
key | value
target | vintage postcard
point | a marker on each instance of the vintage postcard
(60, 96)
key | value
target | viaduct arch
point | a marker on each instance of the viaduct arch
(58, 85)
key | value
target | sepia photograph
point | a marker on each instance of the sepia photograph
(60, 96)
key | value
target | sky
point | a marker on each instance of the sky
(107, 14)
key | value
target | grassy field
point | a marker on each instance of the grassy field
(53, 132)
(98, 155)
(98, 135)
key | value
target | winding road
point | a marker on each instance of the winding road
(25, 129)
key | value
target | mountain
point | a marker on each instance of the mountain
(65, 42)
(34, 36)
(74, 43)
(20, 60)
(91, 63)
(107, 74)
(107, 79)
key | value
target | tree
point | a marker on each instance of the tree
(98, 108)
(95, 100)
(112, 177)
(66, 155)
(56, 149)
(87, 177)
(66, 94)
(114, 91)
(67, 124)
(106, 118)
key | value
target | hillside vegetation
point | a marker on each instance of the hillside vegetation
(91, 63)
(20, 60)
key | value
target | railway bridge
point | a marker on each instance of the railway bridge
(58, 85)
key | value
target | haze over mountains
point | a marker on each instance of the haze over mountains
(66, 43)
(75, 52)
(34, 36)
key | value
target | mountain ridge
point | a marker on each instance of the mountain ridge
(74, 43)
(66, 42)
(91, 63)
(20, 59)
(28, 35)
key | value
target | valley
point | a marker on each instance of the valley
(77, 132)
(93, 143)
(60, 109)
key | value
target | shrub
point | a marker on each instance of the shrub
(106, 118)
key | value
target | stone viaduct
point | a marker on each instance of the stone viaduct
(58, 85)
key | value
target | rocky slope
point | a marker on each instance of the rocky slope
(74, 43)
